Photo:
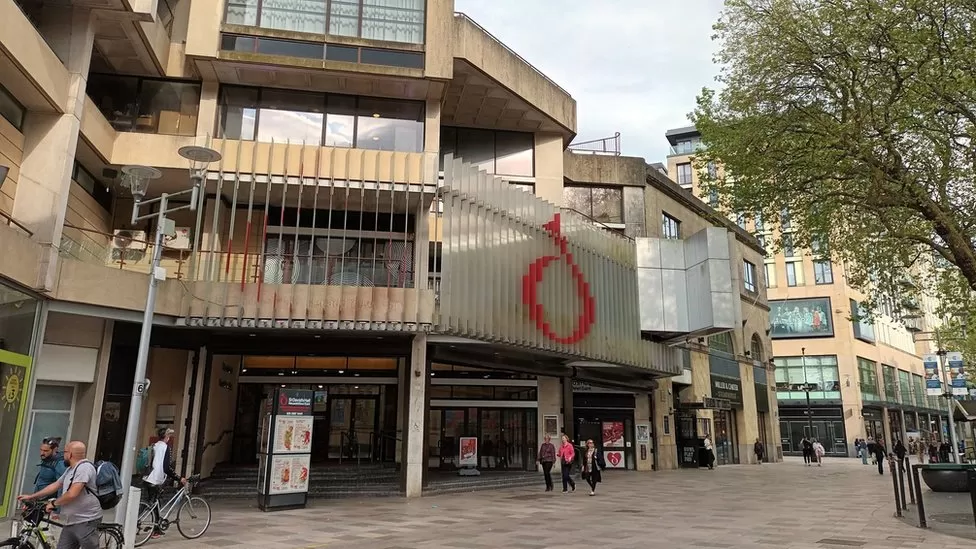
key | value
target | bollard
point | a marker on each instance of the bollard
(894, 484)
(911, 486)
(918, 496)
(971, 477)
(131, 517)
(901, 485)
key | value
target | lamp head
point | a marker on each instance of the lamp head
(199, 158)
(137, 178)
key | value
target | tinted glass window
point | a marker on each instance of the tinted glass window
(294, 117)
(389, 125)
(392, 58)
(238, 112)
(514, 152)
(11, 109)
(233, 42)
(288, 48)
(342, 53)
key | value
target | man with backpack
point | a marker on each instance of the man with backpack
(77, 489)
(158, 467)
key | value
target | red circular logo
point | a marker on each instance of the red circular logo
(530, 290)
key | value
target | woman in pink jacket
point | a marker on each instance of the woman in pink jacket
(567, 455)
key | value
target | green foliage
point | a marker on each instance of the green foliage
(856, 117)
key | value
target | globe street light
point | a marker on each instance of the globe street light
(137, 179)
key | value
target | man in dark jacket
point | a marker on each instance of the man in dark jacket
(52, 464)
(900, 452)
(880, 451)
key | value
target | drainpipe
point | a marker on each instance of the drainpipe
(654, 437)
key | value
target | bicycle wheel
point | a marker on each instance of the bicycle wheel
(146, 524)
(110, 537)
(193, 518)
(15, 543)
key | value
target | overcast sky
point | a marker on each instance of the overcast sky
(633, 66)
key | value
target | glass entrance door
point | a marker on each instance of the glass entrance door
(352, 427)
(725, 439)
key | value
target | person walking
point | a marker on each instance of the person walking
(901, 453)
(567, 455)
(933, 451)
(709, 453)
(52, 464)
(161, 469)
(920, 448)
(593, 464)
(807, 451)
(880, 451)
(759, 450)
(547, 458)
(81, 513)
(818, 452)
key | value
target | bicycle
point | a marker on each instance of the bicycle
(153, 517)
(35, 513)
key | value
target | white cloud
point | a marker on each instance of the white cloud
(633, 66)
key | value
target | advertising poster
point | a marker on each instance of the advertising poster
(614, 459)
(551, 426)
(299, 473)
(321, 401)
(643, 433)
(468, 452)
(957, 374)
(933, 385)
(613, 435)
(280, 475)
(293, 434)
(800, 318)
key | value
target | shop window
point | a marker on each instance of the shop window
(868, 375)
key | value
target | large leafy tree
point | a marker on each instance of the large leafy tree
(857, 117)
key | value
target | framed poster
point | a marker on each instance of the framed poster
(801, 318)
(957, 374)
(613, 434)
(643, 433)
(468, 452)
(550, 426)
(615, 459)
(933, 383)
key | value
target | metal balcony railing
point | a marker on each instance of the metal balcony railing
(609, 146)
(10, 221)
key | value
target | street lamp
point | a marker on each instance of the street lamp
(137, 179)
(807, 387)
(946, 381)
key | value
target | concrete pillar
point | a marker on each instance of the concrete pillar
(747, 419)
(642, 416)
(50, 139)
(569, 424)
(550, 402)
(414, 434)
(886, 421)
(664, 427)
(549, 167)
(403, 370)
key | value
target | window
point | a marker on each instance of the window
(387, 20)
(862, 323)
(819, 373)
(740, 220)
(788, 249)
(749, 276)
(770, 269)
(146, 105)
(604, 204)
(785, 222)
(758, 222)
(756, 348)
(684, 174)
(265, 114)
(670, 227)
(496, 152)
(868, 373)
(890, 383)
(686, 146)
(317, 50)
(713, 198)
(712, 170)
(11, 109)
(100, 192)
(905, 387)
(794, 273)
(823, 272)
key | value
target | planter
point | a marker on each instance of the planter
(946, 477)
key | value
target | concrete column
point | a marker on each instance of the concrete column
(549, 404)
(642, 416)
(549, 167)
(886, 421)
(101, 377)
(569, 420)
(50, 140)
(747, 419)
(403, 370)
(414, 434)
(207, 113)
(667, 452)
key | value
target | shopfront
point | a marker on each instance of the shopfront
(607, 417)
(824, 423)
(873, 423)
(18, 323)
(726, 439)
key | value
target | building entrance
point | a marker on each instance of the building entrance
(350, 428)
(506, 437)
(726, 441)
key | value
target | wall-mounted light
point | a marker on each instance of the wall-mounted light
(226, 368)
(224, 384)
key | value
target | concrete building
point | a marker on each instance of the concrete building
(865, 377)
(386, 230)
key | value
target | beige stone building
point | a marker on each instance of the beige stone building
(865, 378)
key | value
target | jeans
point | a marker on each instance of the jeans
(864, 457)
(568, 481)
(547, 472)
(83, 535)
(591, 480)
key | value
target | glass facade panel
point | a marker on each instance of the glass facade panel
(496, 152)
(603, 204)
(11, 109)
(514, 153)
(795, 372)
(868, 374)
(890, 383)
(389, 125)
(145, 105)
(904, 387)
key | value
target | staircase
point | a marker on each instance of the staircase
(325, 481)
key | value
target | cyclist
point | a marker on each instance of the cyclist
(161, 469)
(52, 464)
(81, 512)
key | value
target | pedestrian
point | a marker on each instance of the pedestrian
(161, 469)
(901, 453)
(807, 450)
(709, 453)
(879, 454)
(862, 450)
(547, 458)
(759, 450)
(871, 446)
(52, 464)
(81, 513)
(920, 448)
(933, 451)
(818, 452)
(944, 450)
(593, 464)
(567, 455)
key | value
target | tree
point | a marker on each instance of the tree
(857, 118)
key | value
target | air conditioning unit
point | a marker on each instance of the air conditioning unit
(179, 241)
(127, 239)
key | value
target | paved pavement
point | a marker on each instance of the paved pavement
(779, 506)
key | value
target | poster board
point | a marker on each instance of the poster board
(468, 452)
(286, 445)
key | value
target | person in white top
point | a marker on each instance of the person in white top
(162, 468)
(818, 451)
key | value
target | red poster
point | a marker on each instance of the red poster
(613, 434)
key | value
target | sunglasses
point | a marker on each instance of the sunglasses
(53, 442)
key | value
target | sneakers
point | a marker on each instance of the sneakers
(592, 493)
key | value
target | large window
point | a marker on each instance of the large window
(264, 114)
(604, 204)
(868, 373)
(793, 373)
(823, 272)
(862, 323)
(749, 276)
(387, 20)
(684, 174)
(801, 318)
(794, 273)
(905, 387)
(100, 192)
(11, 109)
(890, 383)
(496, 152)
(145, 105)
(770, 269)
(918, 385)
(670, 227)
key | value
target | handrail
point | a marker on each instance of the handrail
(608, 145)
(107, 235)
(220, 438)
(600, 224)
(464, 16)
(16, 223)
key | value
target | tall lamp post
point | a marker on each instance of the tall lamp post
(807, 387)
(950, 400)
(136, 179)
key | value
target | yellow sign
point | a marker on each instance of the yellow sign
(10, 396)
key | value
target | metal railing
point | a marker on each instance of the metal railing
(376, 447)
(462, 15)
(11, 221)
(609, 146)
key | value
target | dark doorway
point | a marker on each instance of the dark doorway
(245, 449)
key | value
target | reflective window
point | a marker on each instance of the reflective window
(387, 20)
(794, 273)
(868, 375)
(823, 272)
(315, 119)
(603, 204)
(11, 110)
(684, 174)
(819, 374)
(749, 276)
(100, 192)
(145, 105)
(670, 227)
(496, 152)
